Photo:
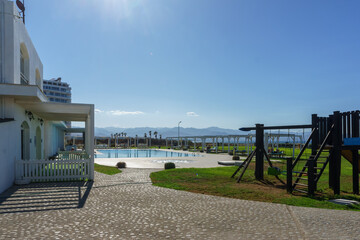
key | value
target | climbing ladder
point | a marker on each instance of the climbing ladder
(314, 166)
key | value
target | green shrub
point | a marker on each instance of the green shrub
(231, 153)
(121, 165)
(169, 165)
(235, 157)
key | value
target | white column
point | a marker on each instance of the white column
(247, 144)
(228, 144)
(222, 143)
(251, 144)
(203, 144)
(266, 142)
(89, 136)
(294, 146)
(216, 144)
(194, 144)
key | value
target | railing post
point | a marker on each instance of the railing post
(289, 175)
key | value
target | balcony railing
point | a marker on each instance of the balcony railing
(23, 79)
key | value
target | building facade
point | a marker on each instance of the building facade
(57, 91)
(31, 127)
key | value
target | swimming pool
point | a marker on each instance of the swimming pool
(143, 153)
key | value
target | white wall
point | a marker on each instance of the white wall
(10, 142)
(12, 34)
(8, 152)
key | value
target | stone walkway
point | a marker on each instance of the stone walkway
(127, 206)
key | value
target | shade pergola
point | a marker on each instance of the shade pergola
(50, 111)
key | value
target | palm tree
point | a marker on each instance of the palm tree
(150, 138)
(145, 135)
(125, 134)
(160, 136)
(155, 134)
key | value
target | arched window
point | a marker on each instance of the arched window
(24, 65)
(38, 78)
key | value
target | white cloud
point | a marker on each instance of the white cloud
(98, 111)
(120, 113)
(191, 114)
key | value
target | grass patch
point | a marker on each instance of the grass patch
(106, 169)
(217, 181)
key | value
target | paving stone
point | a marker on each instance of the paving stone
(127, 206)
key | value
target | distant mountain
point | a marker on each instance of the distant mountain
(165, 132)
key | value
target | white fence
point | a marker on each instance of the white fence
(53, 170)
(72, 155)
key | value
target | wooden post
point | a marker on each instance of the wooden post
(315, 138)
(259, 167)
(336, 158)
(355, 155)
(289, 175)
(355, 152)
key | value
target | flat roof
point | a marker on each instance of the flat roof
(59, 111)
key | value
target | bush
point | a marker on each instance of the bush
(169, 165)
(235, 157)
(121, 165)
(231, 153)
(201, 151)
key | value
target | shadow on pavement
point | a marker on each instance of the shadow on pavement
(45, 196)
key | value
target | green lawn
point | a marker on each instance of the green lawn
(217, 181)
(106, 169)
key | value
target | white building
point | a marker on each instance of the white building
(57, 91)
(31, 127)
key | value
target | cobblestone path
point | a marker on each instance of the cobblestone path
(127, 206)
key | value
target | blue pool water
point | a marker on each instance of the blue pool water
(137, 153)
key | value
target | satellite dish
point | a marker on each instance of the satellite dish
(20, 5)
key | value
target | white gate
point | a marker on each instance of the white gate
(53, 170)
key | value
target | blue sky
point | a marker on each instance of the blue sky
(207, 63)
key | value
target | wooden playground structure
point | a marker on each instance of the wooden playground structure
(331, 138)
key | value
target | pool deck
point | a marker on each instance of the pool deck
(204, 160)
